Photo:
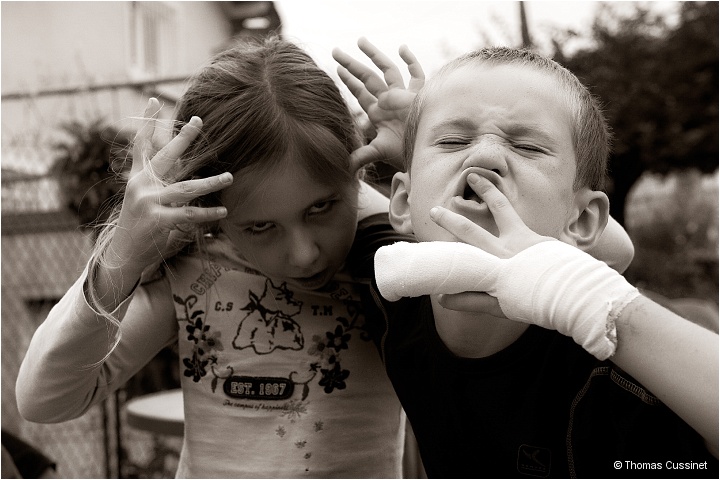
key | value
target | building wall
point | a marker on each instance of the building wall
(58, 44)
(92, 46)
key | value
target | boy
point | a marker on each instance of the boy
(498, 131)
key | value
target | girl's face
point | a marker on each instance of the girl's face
(289, 226)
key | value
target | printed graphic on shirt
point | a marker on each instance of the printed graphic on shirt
(269, 323)
(533, 461)
(258, 388)
(269, 326)
(228, 337)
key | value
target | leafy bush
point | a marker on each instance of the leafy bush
(673, 222)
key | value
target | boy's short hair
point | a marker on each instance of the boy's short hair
(591, 135)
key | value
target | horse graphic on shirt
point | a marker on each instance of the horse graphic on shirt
(269, 324)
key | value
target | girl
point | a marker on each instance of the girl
(280, 377)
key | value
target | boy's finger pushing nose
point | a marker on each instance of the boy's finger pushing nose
(502, 210)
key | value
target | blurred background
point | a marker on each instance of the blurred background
(75, 74)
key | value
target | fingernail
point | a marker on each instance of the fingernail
(226, 177)
(221, 211)
(434, 212)
(473, 178)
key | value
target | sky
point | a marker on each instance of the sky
(435, 30)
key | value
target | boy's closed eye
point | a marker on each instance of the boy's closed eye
(453, 141)
(529, 148)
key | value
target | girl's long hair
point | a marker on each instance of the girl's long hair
(262, 102)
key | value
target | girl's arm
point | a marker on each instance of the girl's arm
(371, 201)
(614, 247)
(152, 209)
(81, 353)
(66, 369)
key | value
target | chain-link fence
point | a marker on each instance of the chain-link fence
(44, 250)
(42, 255)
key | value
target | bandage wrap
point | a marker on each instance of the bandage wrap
(550, 284)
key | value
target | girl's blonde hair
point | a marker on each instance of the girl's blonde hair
(262, 102)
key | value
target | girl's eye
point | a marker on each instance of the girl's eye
(261, 227)
(321, 207)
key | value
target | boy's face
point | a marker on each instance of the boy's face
(507, 124)
(289, 226)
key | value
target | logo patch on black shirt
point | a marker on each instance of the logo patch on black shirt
(534, 461)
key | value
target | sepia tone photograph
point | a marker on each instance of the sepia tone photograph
(359, 239)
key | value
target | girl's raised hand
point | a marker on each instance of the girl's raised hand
(386, 102)
(153, 208)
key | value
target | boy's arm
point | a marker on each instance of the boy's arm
(615, 247)
(675, 359)
(545, 282)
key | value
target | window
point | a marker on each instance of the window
(153, 27)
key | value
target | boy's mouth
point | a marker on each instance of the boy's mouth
(464, 189)
(470, 195)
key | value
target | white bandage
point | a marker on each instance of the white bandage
(551, 284)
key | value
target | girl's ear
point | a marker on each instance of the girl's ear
(592, 209)
(400, 203)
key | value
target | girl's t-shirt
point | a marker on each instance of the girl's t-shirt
(277, 381)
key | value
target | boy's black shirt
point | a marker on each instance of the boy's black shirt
(542, 407)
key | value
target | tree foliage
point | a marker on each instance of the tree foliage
(87, 165)
(658, 83)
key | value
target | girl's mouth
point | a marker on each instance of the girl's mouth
(312, 282)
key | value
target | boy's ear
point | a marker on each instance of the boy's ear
(400, 203)
(592, 209)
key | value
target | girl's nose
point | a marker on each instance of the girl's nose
(489, 153)
(303, 250)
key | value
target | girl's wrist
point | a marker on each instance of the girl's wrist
(112, 277)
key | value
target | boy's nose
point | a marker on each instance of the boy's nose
(490, 154)
(303, 250)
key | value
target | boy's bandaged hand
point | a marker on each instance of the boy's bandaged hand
(550, 284)
(535, 279)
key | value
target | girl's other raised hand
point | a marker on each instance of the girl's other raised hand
(386, 102)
